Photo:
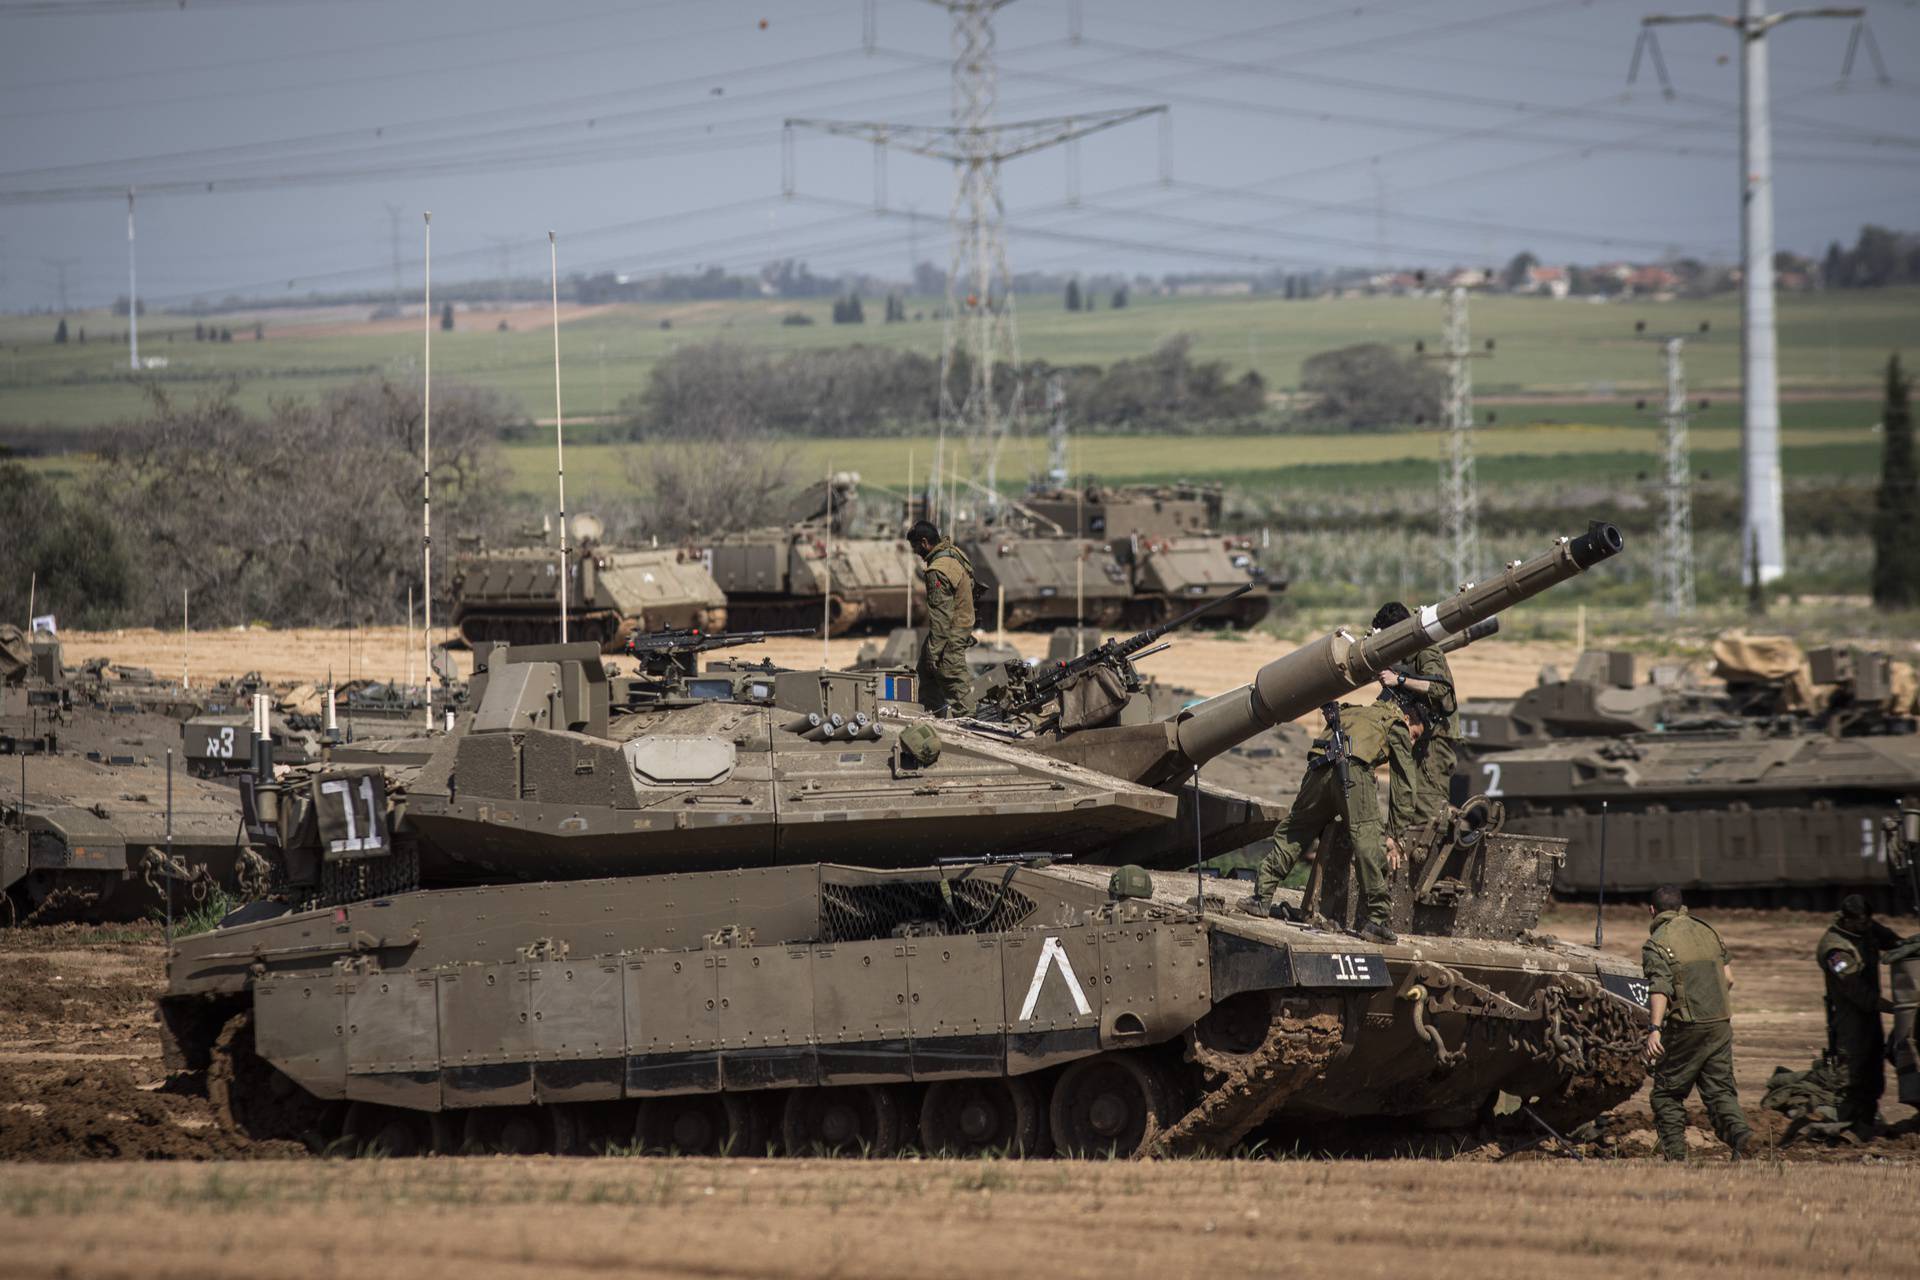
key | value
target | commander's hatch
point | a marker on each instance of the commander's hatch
(544, 686)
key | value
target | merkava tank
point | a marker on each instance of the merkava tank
(1166, 539)
(1766, 791)
(829, 564)
(715, 911)
(512, 595)
(84, 822)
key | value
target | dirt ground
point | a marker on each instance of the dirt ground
(900, 1220)
(1205, 664)
(86, 1112)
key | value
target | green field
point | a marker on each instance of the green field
(1835, 343)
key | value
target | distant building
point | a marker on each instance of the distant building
(1551, 281)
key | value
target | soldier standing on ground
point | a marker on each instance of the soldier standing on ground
(1849, 956)
(1691, 1044)
(1383, 732)
(1433, 682)
(944, 679)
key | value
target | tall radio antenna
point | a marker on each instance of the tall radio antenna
(426, 477)
(559, 447)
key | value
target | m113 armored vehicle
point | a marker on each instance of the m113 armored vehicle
(751, 907)
(829, 566)
(1166, 537)
(513, 595)
(1767, 792)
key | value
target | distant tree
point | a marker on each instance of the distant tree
(60, 334)
(82, 339)
(260, 330)
(1896, 533)
(666, 322)
(848, 310)
(226, 335)
(1073, 295)
(502, 327)
(794, 319)
(199, 332)
(1516, 273)
(69, 546)
(1833, 271)
(120, 307)
(446, 318)
(1119, 301)
(1369, 387)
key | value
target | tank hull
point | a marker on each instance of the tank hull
(573, 1011)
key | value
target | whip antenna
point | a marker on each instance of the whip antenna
(559, 449)
(426, 478)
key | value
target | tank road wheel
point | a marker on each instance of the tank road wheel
(251, 1096)
(520, 1131)
(849, 1119)
(981, 1117)
(373, 1130)
(700, 1124)
(1111, 1105)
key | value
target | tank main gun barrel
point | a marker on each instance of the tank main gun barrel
(1319, 672)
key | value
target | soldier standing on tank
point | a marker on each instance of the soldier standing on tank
(1432, 682)
(1690, 979)
(1383, 732)
(1849, 957)
(944, 679)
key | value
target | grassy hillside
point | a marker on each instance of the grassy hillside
(1828, 342)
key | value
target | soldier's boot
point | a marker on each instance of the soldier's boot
(1255, 905)
(1377, 932)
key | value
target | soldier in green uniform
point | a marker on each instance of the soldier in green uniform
(944, 679)
(1691, 1043)
(1435, 754)
(1380, 733)
(1849, 957)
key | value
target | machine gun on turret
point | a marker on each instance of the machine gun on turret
(1116, 656)
(673, 651)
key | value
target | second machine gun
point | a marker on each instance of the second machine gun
(1035, 690)
(672, 652)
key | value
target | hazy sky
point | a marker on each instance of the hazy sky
(648, 135)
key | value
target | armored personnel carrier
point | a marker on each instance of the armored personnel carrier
(1165, 538)
(513, 595)
(1767, 792)
(830, 565)
(1036, 580)
(753, 907)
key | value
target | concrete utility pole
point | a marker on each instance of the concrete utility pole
(393, 235)
(133, 295)
(1459, 488)
(979, 329)
(1763, 523)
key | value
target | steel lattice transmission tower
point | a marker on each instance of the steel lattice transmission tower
(980, 339)
(1763, 521)
(1676, 563)
(1459, 488)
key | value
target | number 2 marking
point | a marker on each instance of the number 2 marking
(1492, 771)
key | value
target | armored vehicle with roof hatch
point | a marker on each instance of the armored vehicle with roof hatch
(720, 910)
(513, 594)
(1167, 539)
(831, 564)
(1768, 791)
